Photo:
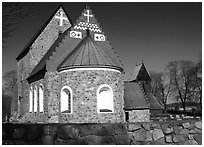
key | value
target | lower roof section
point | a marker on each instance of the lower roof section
(134, 98)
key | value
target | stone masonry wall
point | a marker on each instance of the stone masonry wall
(37, 50)
(84, 85)
(139, 116)
(33, 117)
(187, 132)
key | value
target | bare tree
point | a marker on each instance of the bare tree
(10, 88)
(181, 79)
(161, 87)
(196, 75)
(12, 14)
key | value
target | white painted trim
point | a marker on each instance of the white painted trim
(97, 93)
(41, 98)
(31, 99)
(80, 69)
(35, 106)
(71, 94)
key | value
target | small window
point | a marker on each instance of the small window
(66, 100)
(31, 100)
(41, 98)
(105, 99)
(35, 100)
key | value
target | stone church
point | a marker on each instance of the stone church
(69, 73)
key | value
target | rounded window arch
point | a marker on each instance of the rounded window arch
(105, 99)
(41, 98)
(31, 100)
(66, 99)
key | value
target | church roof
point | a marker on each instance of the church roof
(140, 73)
(88, 53)
(154, 103)
(35, 36)
(136, 71)
(134, 97)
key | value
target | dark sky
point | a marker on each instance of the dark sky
(154, 33)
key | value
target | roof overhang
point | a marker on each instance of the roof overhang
(90, 67)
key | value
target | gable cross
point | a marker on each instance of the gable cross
(88, 15)
(61, 18)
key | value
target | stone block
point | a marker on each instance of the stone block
(71, 142)
(134, 126)
(108, 140)
(140, 135)
(120, 129)
(168, 139)
(155, 126)
(189, 142)
(177, 129)
(18, 133)
(167, 129)
(190, 136)
(195, 131)
(104, 131)
(68, 132)
(179, 138)
(146, 126)
(86, 130)
(160, 141)
(121, 139)
(94, 140)
(184, 131)
(198, 125)
(157, 133)
(33, 132)
(149, 135)
(186, 125)
(198, 138)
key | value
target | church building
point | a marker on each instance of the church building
(69, 73)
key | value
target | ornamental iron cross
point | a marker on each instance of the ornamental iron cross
(61, 18)
(88, 15)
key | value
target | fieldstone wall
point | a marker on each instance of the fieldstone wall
(84, 85)
(150, 133)
(166, 133)
(37, 50)
(139, 116)
(47, 37)
(33, 117)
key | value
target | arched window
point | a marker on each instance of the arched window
(31, 100)
(41, 98)
(35, 100)
(66, 100)
(104, 99)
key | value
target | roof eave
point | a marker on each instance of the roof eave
(90, 66)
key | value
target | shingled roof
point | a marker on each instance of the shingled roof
(154, 103)
(88, 53)
(134, 97)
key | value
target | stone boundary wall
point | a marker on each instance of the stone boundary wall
(149, 133)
